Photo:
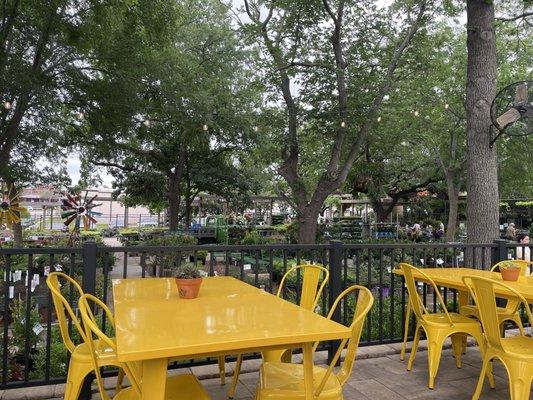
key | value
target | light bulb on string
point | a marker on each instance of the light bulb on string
(343, 124)
(416, 114)
(256, 128)
(7, 105)
(446, 106)
(146, 122)
(379, 119)
(205, 127)
(80, 116)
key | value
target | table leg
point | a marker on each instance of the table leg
(308, 370)
(462, 297)
(154, 379)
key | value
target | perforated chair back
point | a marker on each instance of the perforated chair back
(311, 286)
(362, 305)
(483, 293)
(63, 308)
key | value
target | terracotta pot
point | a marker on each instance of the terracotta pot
(188, 288)
(510, 274)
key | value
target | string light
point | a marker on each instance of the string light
(205, 127)
(80, 116)
(446, 106)
(379, 119)
(416, 114)
(7, 105)
(256, 128)
(146, 122)
(343, 124)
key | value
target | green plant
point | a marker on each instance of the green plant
(188, 271)
(18, 326)
(168, 260)
(508, 265)
(252, 237)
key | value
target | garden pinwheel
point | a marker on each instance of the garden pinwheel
(9, 207)
(78, 210)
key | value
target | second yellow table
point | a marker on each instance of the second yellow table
(229, 316)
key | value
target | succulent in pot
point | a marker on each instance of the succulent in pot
(188, 280)
(510, 271)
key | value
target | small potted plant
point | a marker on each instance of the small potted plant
(510, 271)
(188, 280)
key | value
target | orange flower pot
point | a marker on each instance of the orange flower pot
(188, 288)
(510, 274)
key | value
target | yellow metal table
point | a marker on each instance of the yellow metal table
(453, 278)
(229, 316)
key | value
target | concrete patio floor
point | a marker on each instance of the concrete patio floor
(378, 374)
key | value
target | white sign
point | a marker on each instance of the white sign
(247, 267)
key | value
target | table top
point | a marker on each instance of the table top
(228, 315)
(452, 278)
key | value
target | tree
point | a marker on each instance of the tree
(189, 96)
(45, 51)
(319, 45)
(482, 161)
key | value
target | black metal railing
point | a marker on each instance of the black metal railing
(32, 351)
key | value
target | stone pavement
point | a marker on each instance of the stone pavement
(378, 374)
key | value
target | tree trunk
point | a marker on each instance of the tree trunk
(453, 203)
(482, 174)
(173, 202)
(307, 225)
(382, 211)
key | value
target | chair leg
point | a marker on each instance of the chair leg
(416, 340)
(77, 371)
(457, 345)
(480, 340)
(235, 379)
(222, 369)
(481, 380)
(435, 343)
(406, 330)
(520, 376)
(120, 380)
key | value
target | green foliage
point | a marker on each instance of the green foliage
(18, 326)
(524, 204)
(187, 271)
(252, 237)
(168, 260)
(58, 357)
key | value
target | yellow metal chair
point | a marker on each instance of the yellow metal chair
(510, 311)
(80, 360)
(179, 387)
(439, 326)
(310, 295)
(278, 380)
(516, 353)
(507, 313)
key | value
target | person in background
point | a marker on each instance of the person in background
(523, 252)
(511, 232)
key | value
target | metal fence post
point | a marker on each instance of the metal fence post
(88, 254)
(335, 287)
(500, 252)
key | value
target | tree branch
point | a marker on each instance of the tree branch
(509, 19)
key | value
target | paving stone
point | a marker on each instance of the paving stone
(374, 378)
(36, 392)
